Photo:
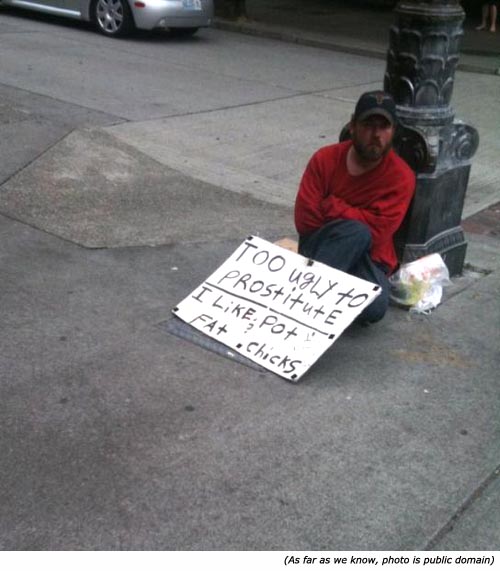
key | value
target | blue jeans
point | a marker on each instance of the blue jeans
(345, 245)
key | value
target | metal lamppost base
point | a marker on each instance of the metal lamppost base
(421, 63)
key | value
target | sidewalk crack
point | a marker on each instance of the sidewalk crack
(460, 512)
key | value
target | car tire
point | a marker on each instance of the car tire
(113, 18)
(183, 32)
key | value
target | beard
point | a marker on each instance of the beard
(372, 151)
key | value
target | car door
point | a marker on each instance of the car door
(74, 6)
(39, 5)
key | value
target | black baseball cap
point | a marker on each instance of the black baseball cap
(375, 103)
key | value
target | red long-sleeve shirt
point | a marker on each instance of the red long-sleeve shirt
(379, 197)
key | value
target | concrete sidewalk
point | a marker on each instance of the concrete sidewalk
(115, 435)
(352, 28)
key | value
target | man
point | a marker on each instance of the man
(353, 197)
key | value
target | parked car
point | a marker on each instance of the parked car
(119, 17)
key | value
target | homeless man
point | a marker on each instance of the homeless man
(353, 197)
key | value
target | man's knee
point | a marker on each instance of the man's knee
(359, 230)
(353, 230)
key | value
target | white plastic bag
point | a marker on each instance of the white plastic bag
(419, 284)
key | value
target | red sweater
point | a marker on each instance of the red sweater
(379, 198)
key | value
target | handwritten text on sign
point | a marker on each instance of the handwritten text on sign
(275, 307)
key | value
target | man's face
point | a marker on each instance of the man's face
(372, 137)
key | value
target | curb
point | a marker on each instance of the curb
(294, 37)
(258, 29)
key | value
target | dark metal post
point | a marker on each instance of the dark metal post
(421, 63)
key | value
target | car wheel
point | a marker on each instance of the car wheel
(183, 32)
(113, 17)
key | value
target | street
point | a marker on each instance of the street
(129, 171)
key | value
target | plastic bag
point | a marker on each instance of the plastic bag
(419, 284)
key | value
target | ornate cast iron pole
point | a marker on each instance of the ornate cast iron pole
(421, 63)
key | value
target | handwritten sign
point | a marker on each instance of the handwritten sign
(276, 307)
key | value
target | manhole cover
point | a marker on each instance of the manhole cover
(181, 329)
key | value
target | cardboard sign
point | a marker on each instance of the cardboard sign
(276, 307)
